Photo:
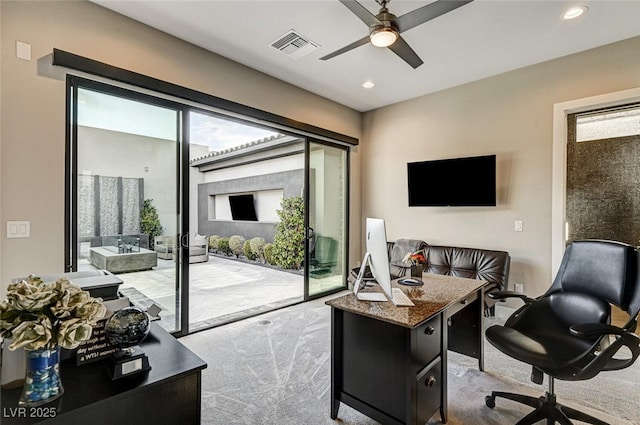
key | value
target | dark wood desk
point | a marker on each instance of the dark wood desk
(390, 363)
(168, 394)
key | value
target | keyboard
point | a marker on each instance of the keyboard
(400, 298)
(371, 296)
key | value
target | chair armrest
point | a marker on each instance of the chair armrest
(501, 295)
(589, 330)
(604, 360)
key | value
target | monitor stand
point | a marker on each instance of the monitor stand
(360, 284)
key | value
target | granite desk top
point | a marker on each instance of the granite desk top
(438, 292)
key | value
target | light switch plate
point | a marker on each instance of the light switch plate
(23, 50)
(18, 229)
(518, 226)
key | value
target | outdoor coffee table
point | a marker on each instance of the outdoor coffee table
(107, 259)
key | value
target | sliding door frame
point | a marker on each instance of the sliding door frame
(189, 99)
(226, 107)
(74, 83)
(307, 224)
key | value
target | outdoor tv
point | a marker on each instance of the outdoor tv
(242, 207)
(456, 182)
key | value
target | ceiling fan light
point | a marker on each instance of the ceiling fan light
(383, 36)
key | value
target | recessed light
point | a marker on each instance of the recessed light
(368, 84)
(574, 12)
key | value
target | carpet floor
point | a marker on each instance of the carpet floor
(275, 369)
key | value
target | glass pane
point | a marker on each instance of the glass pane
(327, 217)
(127, 193)
(608, 124)
(240, 178)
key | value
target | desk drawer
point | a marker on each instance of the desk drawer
(454, 308)
(428, 392)
(428, 341)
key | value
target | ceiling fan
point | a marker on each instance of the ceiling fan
(385, 27)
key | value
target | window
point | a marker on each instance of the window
(608, 124)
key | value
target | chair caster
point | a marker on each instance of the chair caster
(490, 401)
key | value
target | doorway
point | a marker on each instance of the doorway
(211, 206)
(559, 192)
(603, 150)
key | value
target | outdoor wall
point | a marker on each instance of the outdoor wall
(510, 115)
(286, 182)
(32, 138)
(116, 154)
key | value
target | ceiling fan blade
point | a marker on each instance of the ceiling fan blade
(402, 49)
(426, 13)
(361, 12)
(361, 42)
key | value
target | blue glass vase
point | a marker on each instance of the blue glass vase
(42, 379)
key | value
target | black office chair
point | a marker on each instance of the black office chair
(565, 332)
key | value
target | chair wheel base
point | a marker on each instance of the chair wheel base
(544, 408)
(490, 401)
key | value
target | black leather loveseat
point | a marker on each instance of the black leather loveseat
(474, 263)
(491, 266)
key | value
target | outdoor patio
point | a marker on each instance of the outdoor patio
(222, 290)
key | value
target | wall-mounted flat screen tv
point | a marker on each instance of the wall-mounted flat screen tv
(456, 182)
(242, 207)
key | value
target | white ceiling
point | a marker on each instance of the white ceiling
(480, 39)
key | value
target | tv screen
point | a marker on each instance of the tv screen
(242, 207)
(453, 182)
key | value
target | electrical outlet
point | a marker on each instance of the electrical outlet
(519, 288)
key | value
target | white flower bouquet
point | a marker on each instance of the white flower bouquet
(41, 315)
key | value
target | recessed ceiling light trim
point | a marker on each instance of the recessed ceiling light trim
(574, 12)
(368, 84)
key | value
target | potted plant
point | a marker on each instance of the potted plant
(418, 262)
(149, 221)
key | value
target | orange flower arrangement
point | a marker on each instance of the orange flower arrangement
(415, 258)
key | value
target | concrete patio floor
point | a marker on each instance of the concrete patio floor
(221, 290)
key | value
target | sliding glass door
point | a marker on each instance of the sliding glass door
(124, 193)
(183, 203)
(327, 217)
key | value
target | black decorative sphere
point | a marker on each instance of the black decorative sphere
(127, 327)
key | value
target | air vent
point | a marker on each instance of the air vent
(294, 45)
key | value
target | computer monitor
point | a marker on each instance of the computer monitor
(377, 259)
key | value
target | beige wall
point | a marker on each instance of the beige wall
(510, 115)
(32, 123)
(2, 219)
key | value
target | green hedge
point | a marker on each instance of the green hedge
(288, 243)
(287, 249)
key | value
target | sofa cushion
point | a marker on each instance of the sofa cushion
(199, 240)
(491, 266)
(197, 250)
